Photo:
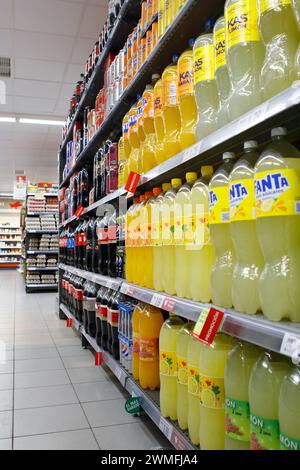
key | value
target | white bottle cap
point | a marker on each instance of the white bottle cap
(228, 156)
(250, 144)
(278, 131)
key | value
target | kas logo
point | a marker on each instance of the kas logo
(185, 76)
(274, 182)
(238, 191)
(213, 199)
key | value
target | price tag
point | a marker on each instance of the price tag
(69, 323)
(132, 182)
(290, 346)
(119, 373)
(129, 291)
(169, 304)
(109, 284)
(157, 300)
(178, 441)
(79, 212)
(165, 427)
(208, 325)
(98, 358)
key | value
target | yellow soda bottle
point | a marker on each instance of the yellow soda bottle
(151, 321)
(146, 257)
(281, 37)
(141, 133)
(277, 188)
(156, 221)
(148, 156)
(171, 114)
(151, 238)
(121, 162)
(168, 249)
(182, 374)
(264, 387)
(161, 18)
(212, 400)
(201, 252)
(245, 55)
(159, 122)
(130, 242)
(219, 218)
(167, 13)
(289, 411)
(237, 375)
(127, 146)
(249, 258)
(296, 10)
(221, 71)
(138, 273)
(186, 97)
(168, 366)
(136, 339)
(194, 348)
(183, 235)
(133, 162)
(206, 91)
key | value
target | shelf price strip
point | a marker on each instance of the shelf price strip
(290, 347)
(208, 325)
(165, 427)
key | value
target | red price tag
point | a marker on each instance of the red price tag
(79, 212)
(98, 359)
(208, 325)
(132, 182)
(69, 323)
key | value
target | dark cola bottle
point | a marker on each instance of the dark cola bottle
(97, 174)
(72, 247)
(62, 288)
(84, 244)
(79, 298)
(86, 288)
(113, 324)
(104, 325)
(85, 188)
(91, 310)
(79, 198)
(77, 246)
(81, 244)
(72, 292)
(100, 295)
(112, 245)
(102, 234)
(75, 195)
(96, 247)
(89, 245)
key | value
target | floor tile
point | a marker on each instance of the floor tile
(42, 396)
(68, 342)
(97, 391)
(41, 379)
(32, 365)
(68, 440)
(49, 419)
(5, 424)
(107, 413)
(5, 444)
(6, 355)
(6, 400)
(6, 381)
(85, 360)
(6, 367)
(71, 351)
(86, 374)
(36, 353)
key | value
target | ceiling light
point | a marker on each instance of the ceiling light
(7, 119)
(46, 122)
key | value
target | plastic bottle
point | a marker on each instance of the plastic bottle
(237, 375)
(133, 162)
(158, 121)
(212, 401)
(201, 253)
(136, 339)
(245, 55)
(221, 71)
(168, 366)
(296, 10)
(100, 295)
(157, 248)
(146, 255)
(148, 154)
(182, 374)
(219, 217)
(171, 113)
(194, 348)
(141, 133)
(127, 146)
(249, 258)
(138, 272)
(289, 411)
(186, 97)
(168, 249)
(264, 387)
(151, 321)
(206, 91)
(183, 236)
(279, 32)
(161, 18)
(277, 175)
(130, 241)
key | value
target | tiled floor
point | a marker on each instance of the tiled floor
(51, 394)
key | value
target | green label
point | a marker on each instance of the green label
(237, 419)
(264, 433)
(288, 443)
(133, 405)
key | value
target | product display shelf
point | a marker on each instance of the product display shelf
(41, 213)
(42, 252)
(9, 254)
(149, 399)
(40, 287)
(48, 268)
(109, 282)
(10, 247)
(54, 194)
(41, 231)
(15, 237)
(10, 239)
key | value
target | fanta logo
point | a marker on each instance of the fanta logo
(140, 111)
(132, 120)
(273, 182)
(238, 190)
(144, 102)
(213, 198)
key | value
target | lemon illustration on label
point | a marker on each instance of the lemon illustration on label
(208, 398)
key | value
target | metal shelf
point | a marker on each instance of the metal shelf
(42, 252)
(40, 286)
(10, 247)
(105, 281)
(42, 231)
(42, 213)
(10, 254)
(55, 268)
(10, 239)
(45, 194)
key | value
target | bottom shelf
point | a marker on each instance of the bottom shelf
(149, 399)
(40, 287)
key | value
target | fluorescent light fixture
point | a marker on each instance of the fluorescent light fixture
(7, 119)
(46, 122)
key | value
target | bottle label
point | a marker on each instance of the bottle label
(242, 200)
(212, 392)
(149, 349)
(237, 419)
(103, 312)
(148, 105)
(204, 63)
(158, 100)
(266, 5)
(219, 206)
(78, 294)
(264, 433)
(277, 193)
(241, 23)
(136, 343)
(125, 127)
(170, 87)
(98, 310)
(102, 234)
(113, 317)
(133, 123)
(194, 381)
(112, 233)
(186, 77)
(182, 373)
(168, 363)
(201, 234)
(220, 48)
(289, 443)
(183, 230)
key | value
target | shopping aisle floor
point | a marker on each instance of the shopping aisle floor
(51, 394)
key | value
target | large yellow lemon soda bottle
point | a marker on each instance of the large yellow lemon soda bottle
(249, 259)
(201, 253)
(296, 10)
(221, 71)
(158, 121)
(148, 155)
(146, 279)
(182, 374)
(212, 399)
(219, 218)
(237, 375)
(138, 271)
(186, 97)
(161, 18)
(171, 114)
(151, 321)
(289, 411)
(151, 237)
(168, 366)
(136, 339)
(133, 162)
(281, 37)
(156, 222)
(194, 348)
(130, 242)
(264, 388)
(245, 54)
(277, 188)
(183, 231)
(168, 248)
(206, 91)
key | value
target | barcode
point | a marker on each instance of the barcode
(173, 94)
(297, 207)
(225, 216)
(157, 300)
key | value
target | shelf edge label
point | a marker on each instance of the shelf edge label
(132, 182)
(208, 325)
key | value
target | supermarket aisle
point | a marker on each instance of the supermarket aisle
(51, 395)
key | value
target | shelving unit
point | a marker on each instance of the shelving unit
(14, 234)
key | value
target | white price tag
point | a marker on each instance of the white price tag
(120, 375)
(290, 346)
(165, 427)
(157, 300)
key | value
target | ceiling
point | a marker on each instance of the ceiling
(48, 43)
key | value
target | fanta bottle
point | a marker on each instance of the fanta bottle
(194, 348)
(264, 388)
(182, 374)
(249, 259)
(148, 148)
(159, 122)
(186, 97)
(222, 75)
(171, 114)
(281, 37)
(296, 10)
(168, 366)
(245, 55)
(130, 242)
(237, 375)
(289, 411)
(133, 162)
(151, 321)
(206, 91)
(277, 188)
(183, 236)
(213, 359)
(136, 339)
(141, 133)
(127, 146)
(168, 248)
(161, 18)
(201, 252)
(219, 218)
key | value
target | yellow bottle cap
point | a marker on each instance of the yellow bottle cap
(191, 177)
(175, 182)
(166, 187)
(207, 170)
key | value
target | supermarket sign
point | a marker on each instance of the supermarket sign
(208, 325)
(20, 187)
